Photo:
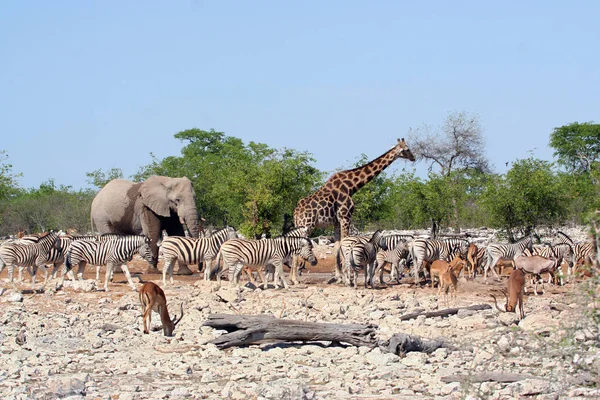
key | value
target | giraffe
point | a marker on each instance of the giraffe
(332, 204)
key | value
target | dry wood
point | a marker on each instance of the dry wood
(446, 312)
(487, 377)
(253, 329)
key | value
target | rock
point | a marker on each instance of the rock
(531, 387)
(13, 297)
(539, 323)
(463, 312)
(508, 318)
(450, 388)
(88, 285)
(228, 295)
(67, 385)
(504, 343)
(179, 392)
(284, 389)
(377, 314)
(414, 359)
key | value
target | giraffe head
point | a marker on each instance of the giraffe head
(402, 150)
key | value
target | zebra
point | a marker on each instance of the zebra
(26, 239)
(363, 255)
(507, 251)
(342, 250)
(429, 250)
(27, 255)
(395, 255)
(296, 266)
(193, 250)
(109, 252)
(239, 252)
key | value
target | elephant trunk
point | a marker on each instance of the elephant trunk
(190, 219)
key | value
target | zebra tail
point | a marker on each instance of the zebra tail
(351, 258)
(216, 267)
(68, 263)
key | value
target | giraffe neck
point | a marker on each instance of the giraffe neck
(368, 172)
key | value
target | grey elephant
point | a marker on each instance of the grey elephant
(147, 208)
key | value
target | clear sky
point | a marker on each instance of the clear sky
(88, 85)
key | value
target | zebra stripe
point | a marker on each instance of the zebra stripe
(343, 249)
(363, 255)
(239, 252)
(507, 251)
(26, 255)
(429, 250)
(109, 252)
(193, 250)
(396, 256)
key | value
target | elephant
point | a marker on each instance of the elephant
(147, 208)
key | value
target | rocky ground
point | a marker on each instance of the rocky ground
(79, 342)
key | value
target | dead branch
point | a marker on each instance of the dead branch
(444, 313)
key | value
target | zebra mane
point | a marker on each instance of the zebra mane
(564, 238)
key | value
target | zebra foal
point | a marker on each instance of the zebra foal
(236, 253)
(193, 251)
(110, 253)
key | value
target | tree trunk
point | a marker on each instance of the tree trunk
(434, 229)
(254, 329)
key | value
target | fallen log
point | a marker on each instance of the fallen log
(244, 330)
(487, 377)
(444, 313)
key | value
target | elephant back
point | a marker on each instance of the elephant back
(114, 208)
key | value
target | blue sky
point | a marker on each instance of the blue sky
(88, 85)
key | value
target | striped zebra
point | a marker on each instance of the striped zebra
(396, 257)
(506, 251)
(343, 248)
(236, 253)
(363, 255)
(393, 255)
(428, 250)
(25, 239)
(193, 250)
(297, 263)
(26, 255)
(109, 252)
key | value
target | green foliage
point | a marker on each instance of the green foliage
(8, 180)
(529, 195)
(250, 186)
(99, 178)
(577, 146)
(46, 208)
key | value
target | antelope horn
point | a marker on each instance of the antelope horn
(496, 303)
(175, 320)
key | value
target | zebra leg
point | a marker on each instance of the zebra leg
(20, 279)
(279, 275)
(125, 269)
(167, 267)
(108, 274)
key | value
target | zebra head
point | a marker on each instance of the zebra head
(306, 251)
(144, 250)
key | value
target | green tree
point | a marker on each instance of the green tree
(8, 180)
(100, 178)
(577, 147)
(528, 195)
(250, 186)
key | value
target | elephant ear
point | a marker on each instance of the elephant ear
(154, 195)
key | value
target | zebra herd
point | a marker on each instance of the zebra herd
(223, 252)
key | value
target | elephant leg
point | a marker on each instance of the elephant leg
(184, 269)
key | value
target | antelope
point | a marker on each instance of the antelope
(439, 267)
(153, 298)
(448, 281)
(536, 265)
(514, 297)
